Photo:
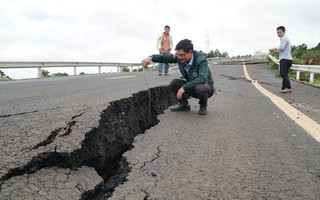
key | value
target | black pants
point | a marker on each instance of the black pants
(201, 92)
(284, 70)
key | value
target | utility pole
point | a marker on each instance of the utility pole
(207, 42)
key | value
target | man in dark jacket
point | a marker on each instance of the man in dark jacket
(197, 82)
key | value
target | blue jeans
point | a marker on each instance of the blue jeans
(166, 65)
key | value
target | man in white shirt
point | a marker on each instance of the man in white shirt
(285, 58)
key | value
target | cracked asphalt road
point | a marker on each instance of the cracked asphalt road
(44, 122)
(245, 148)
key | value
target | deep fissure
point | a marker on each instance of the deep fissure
(104, 145)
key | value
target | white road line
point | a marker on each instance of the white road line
(308, 124)
(119, 77)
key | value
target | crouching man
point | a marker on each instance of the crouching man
(197, 82)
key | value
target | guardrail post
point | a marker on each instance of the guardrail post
(298, 75)
(311, 77)
(100, 69)
(39, 72)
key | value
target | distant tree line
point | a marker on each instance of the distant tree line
(46, 74)
(302, 55)
(216, 53)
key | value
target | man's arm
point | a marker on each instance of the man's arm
(145, 62)
(160, 58)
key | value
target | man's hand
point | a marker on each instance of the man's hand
(145, 62)
(273, 50)
(180, 93)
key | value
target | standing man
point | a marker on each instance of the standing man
(285, 58)
(164, 45)
(197, 82)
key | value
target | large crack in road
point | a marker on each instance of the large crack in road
(101, 150)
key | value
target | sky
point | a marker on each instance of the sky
(127, 30)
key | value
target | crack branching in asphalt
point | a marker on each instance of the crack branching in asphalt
(52, 136)
(104, 145)
(17, 114)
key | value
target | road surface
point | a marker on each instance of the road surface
(246, 147)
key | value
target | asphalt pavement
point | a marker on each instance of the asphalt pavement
(244, 148)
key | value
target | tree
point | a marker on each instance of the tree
(217, 53)
(318, 46)
(225, 54)
(210, 54)
(298, 51)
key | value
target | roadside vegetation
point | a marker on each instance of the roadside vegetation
(303, 56)
(216, 53)
(46, 74)
(4, 77)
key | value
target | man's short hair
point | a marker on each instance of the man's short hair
(166, 26)
(185, 44)
(282, 28)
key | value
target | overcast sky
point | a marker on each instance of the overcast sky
(126, 30)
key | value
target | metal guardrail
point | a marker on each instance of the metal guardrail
(40, 65)
(312, 69)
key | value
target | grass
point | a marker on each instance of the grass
(317, 81)
(304, 76)
(5, 79)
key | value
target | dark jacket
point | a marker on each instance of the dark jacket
(199, 72)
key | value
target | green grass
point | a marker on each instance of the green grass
(316, 81)
(5, 79)
(304, 76)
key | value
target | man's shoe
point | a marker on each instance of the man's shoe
(286, 90)
(180, 107)
(203, 110)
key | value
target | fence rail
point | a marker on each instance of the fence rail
(312, 69)
(40, 65)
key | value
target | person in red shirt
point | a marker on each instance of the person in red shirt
(164, 45)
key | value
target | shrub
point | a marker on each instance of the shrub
(45, 73)
(60, 74)
(125, 69)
